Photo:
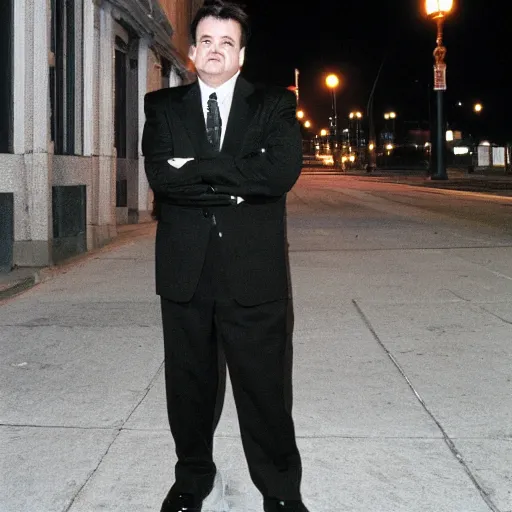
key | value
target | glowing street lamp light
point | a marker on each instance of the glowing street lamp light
(323, 132)
(332, 82)
(478, 108)
(438, 10)
(300, 114)
(307, 124)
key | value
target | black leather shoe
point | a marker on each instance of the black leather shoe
(276, 505)
(184, 502)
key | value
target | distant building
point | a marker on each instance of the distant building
(71, 117)
(417, 137)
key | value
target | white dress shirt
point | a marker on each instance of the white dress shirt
(224, 99)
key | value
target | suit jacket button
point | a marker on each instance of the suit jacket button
(206, 214)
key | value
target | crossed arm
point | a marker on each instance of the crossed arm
(268, 171)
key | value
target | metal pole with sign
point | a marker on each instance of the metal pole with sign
(440, 87)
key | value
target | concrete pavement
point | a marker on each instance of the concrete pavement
(403, 370)
(484, 182)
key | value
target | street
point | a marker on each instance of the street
(402, 364)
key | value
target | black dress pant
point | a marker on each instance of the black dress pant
(200, 337)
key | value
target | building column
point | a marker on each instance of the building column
(104, 215)
(144, 199)
(33, 206)
(19, 78)
(88, 78)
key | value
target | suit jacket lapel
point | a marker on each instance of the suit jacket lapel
(190, 111)
(240, 115)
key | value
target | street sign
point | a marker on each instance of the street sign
(440, 77)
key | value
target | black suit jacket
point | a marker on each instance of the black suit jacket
(260, 161)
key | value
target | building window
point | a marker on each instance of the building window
(62, 76)
(6, 74)
(126, 95)
(120, 121)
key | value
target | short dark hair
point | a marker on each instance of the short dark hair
(223, 11)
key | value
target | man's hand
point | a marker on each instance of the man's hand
(178, 162)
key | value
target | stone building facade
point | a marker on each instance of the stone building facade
(71, 118)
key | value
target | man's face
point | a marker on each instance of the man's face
(217, 55)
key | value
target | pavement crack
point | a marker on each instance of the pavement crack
(144, 393)
(457, 295)
(118, 431)
(495, 315)
(93, 471)
(449, 442)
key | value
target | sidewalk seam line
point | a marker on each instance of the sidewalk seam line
(119, 430)
(446, 438)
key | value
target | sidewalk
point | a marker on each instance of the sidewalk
(23, 278)
(402, 370)
(20, 279)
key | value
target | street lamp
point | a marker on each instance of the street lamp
(356, 117)
(392, 116)
(478, 108)
(300, 114)
(332, 81)
(438, 10)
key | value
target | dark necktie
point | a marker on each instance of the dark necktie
(213, 122)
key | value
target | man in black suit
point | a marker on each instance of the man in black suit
(220, 157)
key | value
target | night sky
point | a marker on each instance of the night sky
(354, 37)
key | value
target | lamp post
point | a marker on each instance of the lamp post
(304, 129)
(372, 140)
(356, 117)
(438, 10)
(392, 116)
(332, 81)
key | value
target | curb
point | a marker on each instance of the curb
(19, 286)
(124, 236)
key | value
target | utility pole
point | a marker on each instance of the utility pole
(372, 142)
